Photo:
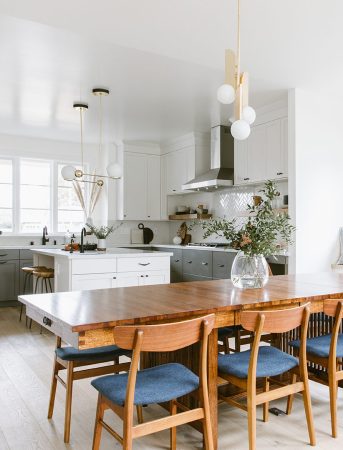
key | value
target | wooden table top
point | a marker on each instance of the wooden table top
(102, 308)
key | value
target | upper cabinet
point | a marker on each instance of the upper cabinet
(264, 155)
(142, 187)
(178, 170)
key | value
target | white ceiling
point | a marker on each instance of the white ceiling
(162, 60)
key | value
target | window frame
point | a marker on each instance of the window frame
(53, 193)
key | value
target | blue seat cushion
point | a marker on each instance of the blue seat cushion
(107, 353)
(320, 346)
(154, 385)
(224, 332)
(270, 362)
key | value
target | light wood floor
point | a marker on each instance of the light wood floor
(25, 370)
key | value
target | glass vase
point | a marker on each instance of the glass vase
(249, 272)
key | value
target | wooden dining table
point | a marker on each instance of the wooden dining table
(85, 319)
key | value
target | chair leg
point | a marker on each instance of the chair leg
(69, 394)
(173, 411)
(266, 405)
(333, 402)
(53, 387)
(252, 425)
(139, 409)
(291, 396)
(308, 412)
(98, 427)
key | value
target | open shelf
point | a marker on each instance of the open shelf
(189, 216)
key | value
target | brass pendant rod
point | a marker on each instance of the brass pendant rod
(238, 66)
(81, 137)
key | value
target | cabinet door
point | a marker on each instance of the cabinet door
(127, 279)
(177, 171)
(241, 162)
(197, 262)
(94, 281)
(222, 264)
(153, 188)
(135, 186)
(9, 280)
(153, 278)
(257, 168)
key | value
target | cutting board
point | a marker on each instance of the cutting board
(137, 236)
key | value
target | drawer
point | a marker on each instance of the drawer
(26, 254)
(197, 262)
(9, 254)
(93, 265)
(143, 263)
(176, 260)
(222, 263)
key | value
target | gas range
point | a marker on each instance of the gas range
(208, 244)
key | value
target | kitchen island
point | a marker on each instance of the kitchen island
(117, 267)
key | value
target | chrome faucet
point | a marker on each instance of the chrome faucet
(45, 233)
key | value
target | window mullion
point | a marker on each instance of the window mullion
(16, 195)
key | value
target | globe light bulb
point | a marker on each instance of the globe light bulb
(68, 173)
(249, 114)
(240, 130)
(226, 94)
(114, 170)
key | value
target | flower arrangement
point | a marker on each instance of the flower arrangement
(101, 232)
(259, 235)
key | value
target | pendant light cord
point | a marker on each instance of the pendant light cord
(100, 131)
(238, 41)
(81, 137)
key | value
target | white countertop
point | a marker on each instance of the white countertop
(110, 253)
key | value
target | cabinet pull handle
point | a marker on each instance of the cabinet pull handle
(279, 173)
(204, 263)
(4, 254)
(146, 276)
(189, 262)
(47, 321)
(114, 278)
(142, 276)
(143, 264)
(148, 216)
(3, 262)
(246, 179)
(221, 265)
(174, 190)
(176, 260)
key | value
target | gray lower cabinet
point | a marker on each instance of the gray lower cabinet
(29, 283)
(222, 263)
(9, 279)
(197, 262)
(190, 277)
(175, 263)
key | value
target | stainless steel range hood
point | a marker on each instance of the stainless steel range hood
(222, 163)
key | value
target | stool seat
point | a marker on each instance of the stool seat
(33, 269)
(43, 274)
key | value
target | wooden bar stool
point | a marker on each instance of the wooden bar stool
(45, 275)
(28, 271)
(159, 384)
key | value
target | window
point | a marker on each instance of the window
(6, 195)
(35, 195)
(70, 215)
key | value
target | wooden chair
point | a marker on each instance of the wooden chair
(264, 362)
(159, 384)
(69, 359)
(241, 336)
(327, 352)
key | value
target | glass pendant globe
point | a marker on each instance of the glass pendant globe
(240, 130)
(68, 173)
(249, 114)
(232, 119)
(114, 170)
(226, 94)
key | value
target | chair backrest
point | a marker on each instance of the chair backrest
(332, 306)
(274, 321)
(164, 337)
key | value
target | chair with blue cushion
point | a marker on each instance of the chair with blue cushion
(264, 362)
(327, 351)
(159, 384)
(69, 358)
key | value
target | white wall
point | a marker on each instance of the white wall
(316, 181)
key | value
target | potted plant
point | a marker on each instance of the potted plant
(255, 239)
(101, 233)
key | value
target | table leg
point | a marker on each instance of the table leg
(212, 383)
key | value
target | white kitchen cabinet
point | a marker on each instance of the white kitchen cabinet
(94, 281)
(177, 170)
(264, 155)
(277, 149)
(142, 187)
(142, 278)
